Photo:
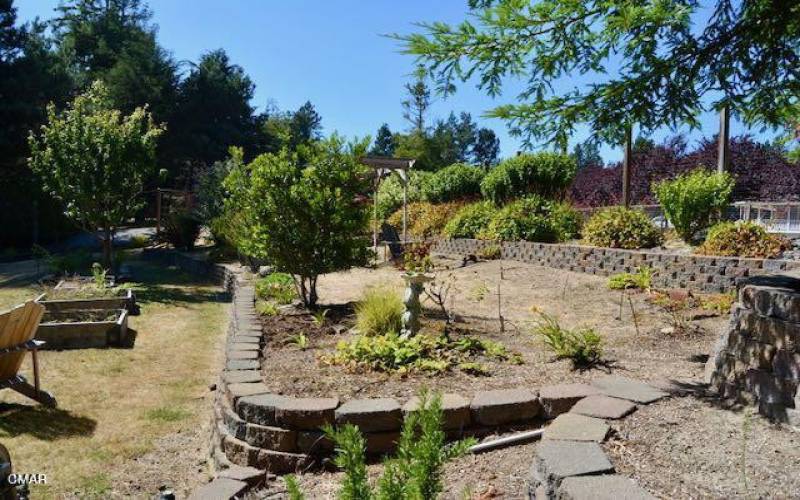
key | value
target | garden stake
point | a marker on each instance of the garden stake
(633, 313)
(499, 310)
(522, 437)
(621, 299)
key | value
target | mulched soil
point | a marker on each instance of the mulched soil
(683, 447)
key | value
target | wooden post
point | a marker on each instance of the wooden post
(723, 150)
(626, 167)
(405, 206)
(375, 212)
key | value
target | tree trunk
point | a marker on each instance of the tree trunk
(312, 292)
(107, 247)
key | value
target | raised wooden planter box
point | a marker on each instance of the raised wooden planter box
(127, 301)
(72, 330)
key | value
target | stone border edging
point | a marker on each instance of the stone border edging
(699, 272)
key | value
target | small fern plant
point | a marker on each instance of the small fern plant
(415, 473)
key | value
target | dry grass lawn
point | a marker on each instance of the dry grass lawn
(129, 420)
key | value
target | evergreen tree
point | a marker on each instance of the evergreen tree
(487, 148)
(385, 144)
(305, 125)
(587, 154)
(415, 107)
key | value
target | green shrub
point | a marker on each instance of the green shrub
(415, 473)
(278, 287)
(743, 239)
(693, 200)
(181, 230)
(641, 280)
(490, 252)
(390, 191)
(546, 174)
(470, 220)
(566, 220)
(619, 227)
(523, 219)
(456, 182)
(584, 346)
(425, 220)
(379, 312)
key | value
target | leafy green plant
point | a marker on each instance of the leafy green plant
(566, 220)
(641, 280)
(456, 182)
(490, 252)
(416, 470)
(619, 227)
(96, 161)
(691, 201)
(523, 219)
(583, 346)
(320, 317)
(181, 229)
(379, 312)
(477, 369)
(719, 303)
(278, 287)
(99, 276)
(546, 174)
(743, 239)
(470, 220)
(266, 308)
(300, 341)
(417, 257)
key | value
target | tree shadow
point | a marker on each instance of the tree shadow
(47, 424)
(162, 284)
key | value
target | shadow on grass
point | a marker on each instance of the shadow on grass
(168, 285)
(47, 424)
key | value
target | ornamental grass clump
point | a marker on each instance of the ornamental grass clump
(619, 227)
(379, 312)
(743, 239)
(692, 201)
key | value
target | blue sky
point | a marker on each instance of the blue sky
(330, 52)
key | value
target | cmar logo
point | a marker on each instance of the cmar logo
(18, 479)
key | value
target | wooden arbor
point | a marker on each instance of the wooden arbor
(383, 167)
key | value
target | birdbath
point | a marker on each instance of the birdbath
(415, 284)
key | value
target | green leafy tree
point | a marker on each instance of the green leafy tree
(692, 201)
(651, 63)
(303, 212)
(486, 149)
(384, 142)
(587, 154)
(95, 160)
(415, 107)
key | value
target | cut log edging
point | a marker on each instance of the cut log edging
(704, 273)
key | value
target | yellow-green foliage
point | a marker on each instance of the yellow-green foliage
(490, 252)
(425, 219)
(379, 312)
(640, 280)
(265, 308)
(471, 220)
(743, 239)
(719, 303)
(619, 227)
(278, 287)
(583, 346)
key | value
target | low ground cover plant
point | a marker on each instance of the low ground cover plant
(584, 347)
(743, 239)
(619, 227)
(640, 280)
(470, 220)
(416, 470)
(277, 287)
(546, 174)
(692, 201)
(379, 312)
(456, 182)
(718, 303)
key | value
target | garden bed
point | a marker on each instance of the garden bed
(83, 329)
(62, 300)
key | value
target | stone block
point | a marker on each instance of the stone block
(259, 409)
(767, 388)
(381, 443)
(279, 462)
(306, 413)
(250, 475)
(313, 442)
(242, 364)
(504, 406)
(600, 406)
(574, 427)
(602, 487)
(240, 390)
(786, 365)
(558, 399)
(241, 376)
(271, 438)
(246, 355)
(554, 461)
(371, 415)
(455, 410)
(626, 388)
(244, 346)
(221, 488)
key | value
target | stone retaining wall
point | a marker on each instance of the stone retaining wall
(757, 358)
(222, 274)
(699, 272)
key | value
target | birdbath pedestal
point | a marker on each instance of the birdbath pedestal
(415, 284)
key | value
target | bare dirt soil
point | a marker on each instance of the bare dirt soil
(682, 447)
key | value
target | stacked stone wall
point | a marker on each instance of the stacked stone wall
(703, 273)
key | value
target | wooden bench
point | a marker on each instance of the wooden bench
(17, 331)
